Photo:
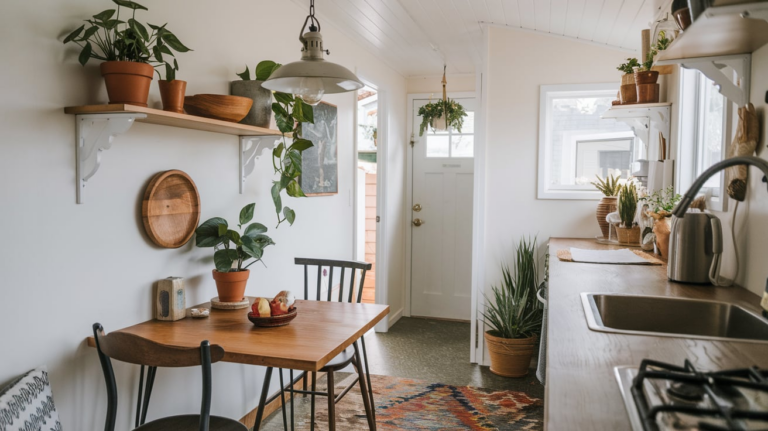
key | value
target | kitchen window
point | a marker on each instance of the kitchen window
(705, 119)
(575, 144)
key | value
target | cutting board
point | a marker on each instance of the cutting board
(171, 209)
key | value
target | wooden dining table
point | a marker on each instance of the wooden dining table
(320, 331)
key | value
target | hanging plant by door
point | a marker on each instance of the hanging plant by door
(443, 114)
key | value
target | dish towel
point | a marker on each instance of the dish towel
(616, 257)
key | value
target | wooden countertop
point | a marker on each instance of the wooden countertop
(581, 391)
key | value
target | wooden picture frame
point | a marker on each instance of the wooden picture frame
(320, 164)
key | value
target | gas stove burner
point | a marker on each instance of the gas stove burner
(686, 391)
(661, 396)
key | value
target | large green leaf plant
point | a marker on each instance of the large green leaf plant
(106, 37)
(233, 249)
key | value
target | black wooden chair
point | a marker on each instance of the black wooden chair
(136, 350)
(349, 356)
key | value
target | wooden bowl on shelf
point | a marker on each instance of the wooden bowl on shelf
(273, 321)
(218, 106)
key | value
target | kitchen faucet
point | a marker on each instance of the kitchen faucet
(690, 195)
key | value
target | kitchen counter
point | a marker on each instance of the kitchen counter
(581, 391)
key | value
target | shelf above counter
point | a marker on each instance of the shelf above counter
(165, 118)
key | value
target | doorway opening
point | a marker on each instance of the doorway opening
(367, 154)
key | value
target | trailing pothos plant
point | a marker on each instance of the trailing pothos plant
(290, 113)
(453, 111)
(108, 38)
(231, 246)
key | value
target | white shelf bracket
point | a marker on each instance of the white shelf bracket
(251, 149)
(713, 68)
(642, 120)
(95, 133)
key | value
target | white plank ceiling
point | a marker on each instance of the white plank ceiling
(416, 37)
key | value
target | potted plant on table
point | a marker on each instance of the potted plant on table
(628, 232)
(514, 315)
(128, 50)
(260, 114)
(628, 91)
(233, 251)
(609, 187)
(660, 205)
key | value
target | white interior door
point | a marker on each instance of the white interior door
(441, 218)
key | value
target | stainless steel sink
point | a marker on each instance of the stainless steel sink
(672, 317)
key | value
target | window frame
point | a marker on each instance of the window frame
(690, 146)
(546, 93)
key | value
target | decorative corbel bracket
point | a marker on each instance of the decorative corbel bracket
(251, 149)
(95, 133)
(641, 118)
(713, 68)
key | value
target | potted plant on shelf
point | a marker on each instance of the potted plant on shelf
(172, 90)
(660, 205)
(628, 232)
(514, 315)
(628, 91)
(260, 114)
(609, 187)
(128, 50)
(233, 251)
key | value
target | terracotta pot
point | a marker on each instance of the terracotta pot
(172, 94)
(628, 235)
(662, 230)
(646, 77)
(683, 18)
(127, 81)
(647, 93)
(231, 285)
(510, 357)
(628, 94)
(607, 205)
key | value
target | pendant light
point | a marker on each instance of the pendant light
(312, 77)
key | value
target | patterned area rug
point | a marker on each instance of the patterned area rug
(406, 404)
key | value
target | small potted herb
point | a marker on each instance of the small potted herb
(628, 232)
(233, 251)
(128, 50)
(260, 114)
(172, 90)
(660, 205)
(628, 89)
(514, 315)
(442, 115)
(609, 187)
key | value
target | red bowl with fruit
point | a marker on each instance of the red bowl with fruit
(273, 321)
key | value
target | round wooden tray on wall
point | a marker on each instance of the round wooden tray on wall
(171, 209)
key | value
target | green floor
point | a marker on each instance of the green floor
(432, 350)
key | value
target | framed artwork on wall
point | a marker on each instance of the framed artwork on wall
(320, 166)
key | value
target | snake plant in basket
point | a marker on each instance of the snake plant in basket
(514, 314)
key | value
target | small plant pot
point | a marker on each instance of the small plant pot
(607, 205)
(510, 357)
(439, 124)
(628, 79)
(683, 18)
(662, 230)
(127, 81)
(646, 77)
(647, 93)
(231, 285)
(172, 94)
(260, 114)
(628, 235)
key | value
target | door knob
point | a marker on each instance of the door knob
(417, 207)
(418, 222)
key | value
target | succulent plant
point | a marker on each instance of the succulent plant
(608, 186)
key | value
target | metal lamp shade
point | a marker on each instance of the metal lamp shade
(336, 79)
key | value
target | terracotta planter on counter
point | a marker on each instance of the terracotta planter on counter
(127, 81)
(628, 235)
(510, 357)
(231, 285)
(607, 205)
(172, 94)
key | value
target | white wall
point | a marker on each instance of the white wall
(67, 266)
(518, 64)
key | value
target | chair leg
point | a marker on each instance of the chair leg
(331, 402)
(304, 383)
(312, 398)
(293, 417)
(262, 399)
(151, 371)
(367, 401)
(368, 379)
(282, 399)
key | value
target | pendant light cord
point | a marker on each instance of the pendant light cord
(314, 23)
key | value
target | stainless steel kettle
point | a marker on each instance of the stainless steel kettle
(695, 247)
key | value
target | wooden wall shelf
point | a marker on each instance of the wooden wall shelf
(97, 126)
(185, 121)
